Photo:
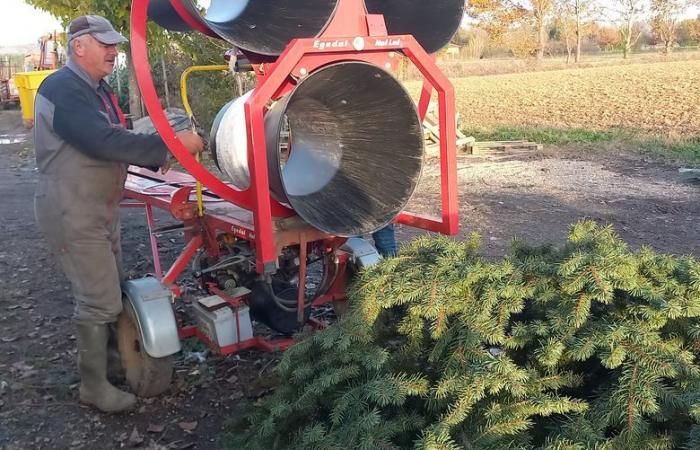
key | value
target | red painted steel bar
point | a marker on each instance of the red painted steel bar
(183, 260)
(154, 242)
(260, 343)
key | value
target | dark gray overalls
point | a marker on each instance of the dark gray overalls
(82, 153)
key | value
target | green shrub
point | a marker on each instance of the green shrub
(587, 346)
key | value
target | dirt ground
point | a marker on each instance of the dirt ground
(535, 195)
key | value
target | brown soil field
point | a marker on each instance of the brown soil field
(660, 98)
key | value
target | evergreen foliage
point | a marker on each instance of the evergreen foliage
(587, 346)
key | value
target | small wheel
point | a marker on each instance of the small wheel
(146, 375)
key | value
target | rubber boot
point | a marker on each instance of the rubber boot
(92, 363)
(115, 370)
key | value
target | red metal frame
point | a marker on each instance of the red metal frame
(266, 345)
(351, 35)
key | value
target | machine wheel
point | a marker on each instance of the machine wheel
(146, 375)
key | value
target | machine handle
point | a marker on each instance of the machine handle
(188, 109)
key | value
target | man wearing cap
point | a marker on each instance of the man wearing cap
(82, 152)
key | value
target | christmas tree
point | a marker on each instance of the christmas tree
(584, 346)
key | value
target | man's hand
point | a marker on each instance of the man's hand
(192, 141)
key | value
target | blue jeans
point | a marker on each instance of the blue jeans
(385, 241)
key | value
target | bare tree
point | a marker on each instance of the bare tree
(630, 12)
(665, 19)
(574, 17)
(540, 12)
(514, 20)
(567, 28)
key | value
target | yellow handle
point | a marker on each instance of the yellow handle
(188, 109)
(185, 76)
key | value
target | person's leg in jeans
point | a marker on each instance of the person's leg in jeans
(385, 241)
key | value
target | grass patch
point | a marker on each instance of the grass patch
(681, 150)
(552, 136)
(685, 151)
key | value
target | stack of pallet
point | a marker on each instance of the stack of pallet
(467, 144)
(431, 128)
(432, 134)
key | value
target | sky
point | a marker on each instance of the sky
(22, 24)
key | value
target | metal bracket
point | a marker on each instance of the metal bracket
(180, 206)
(152, 303)
(362, 253)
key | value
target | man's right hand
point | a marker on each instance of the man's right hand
(191, 141)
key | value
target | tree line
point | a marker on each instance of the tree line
(533, 28)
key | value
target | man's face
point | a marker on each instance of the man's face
(96, 58)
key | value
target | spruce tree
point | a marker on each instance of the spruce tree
(583, 346)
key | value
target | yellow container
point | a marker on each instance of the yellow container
(28, 84)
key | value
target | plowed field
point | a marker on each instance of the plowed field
(660, 99)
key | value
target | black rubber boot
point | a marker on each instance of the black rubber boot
(92, 363)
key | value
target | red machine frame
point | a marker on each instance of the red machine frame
(352, 35)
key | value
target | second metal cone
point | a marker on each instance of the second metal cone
(266, 27)
(432, 23)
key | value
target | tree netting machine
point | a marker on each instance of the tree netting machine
(328, 146)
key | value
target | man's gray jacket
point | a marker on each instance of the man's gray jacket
(82, 153)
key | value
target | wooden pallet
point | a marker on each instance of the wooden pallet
(490, 147)
(431, 129)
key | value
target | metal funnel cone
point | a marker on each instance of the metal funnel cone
(432, 23)
(264, 27)
(356, 148)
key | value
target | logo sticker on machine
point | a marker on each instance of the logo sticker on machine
(336, 43)
(388, 43)
(358, 43)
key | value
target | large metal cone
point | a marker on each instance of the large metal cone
(432, 23)
(345, 148)
(356, 148)
(264, 27)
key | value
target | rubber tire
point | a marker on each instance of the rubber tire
(146, 375)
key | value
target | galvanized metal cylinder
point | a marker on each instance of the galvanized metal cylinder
(229, 142)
